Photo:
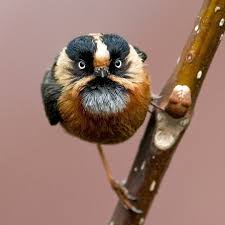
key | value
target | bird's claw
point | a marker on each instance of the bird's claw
(125, 197)
(155, 96)
(131, 197)
(126, 192)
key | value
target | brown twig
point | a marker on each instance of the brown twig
(166, 128)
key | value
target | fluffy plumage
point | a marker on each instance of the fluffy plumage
(98, 89)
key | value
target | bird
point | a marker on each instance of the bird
(99, 90)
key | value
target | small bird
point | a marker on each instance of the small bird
(99, 90)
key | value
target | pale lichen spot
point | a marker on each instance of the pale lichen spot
(135, 169)
(184, 122)
(182, 90)
(189, 57)
(217, 9)
(141, 221)
(153, 157)
(111, 223)
(152, 186)
(221, 37)
(199, 74)
(163, 140)
(169, 129)
(221, 22)
(197, 28)
(143, 165)
(159, 117)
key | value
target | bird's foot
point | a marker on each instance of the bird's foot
(155, 97)
(154, 104)
(124, 196)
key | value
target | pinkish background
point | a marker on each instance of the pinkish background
(48, 177)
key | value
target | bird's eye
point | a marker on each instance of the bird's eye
(118, 63)
(81, 65)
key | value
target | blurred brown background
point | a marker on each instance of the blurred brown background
(48, 177)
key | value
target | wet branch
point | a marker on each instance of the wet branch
(166, 128)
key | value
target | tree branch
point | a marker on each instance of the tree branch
(166, 128)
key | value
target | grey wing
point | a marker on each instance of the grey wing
(51, 92)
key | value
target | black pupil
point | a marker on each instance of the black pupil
(82, 65)
(118, 63)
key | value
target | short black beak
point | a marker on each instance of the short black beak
(101, 72)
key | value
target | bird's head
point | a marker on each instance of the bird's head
(101, 71)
